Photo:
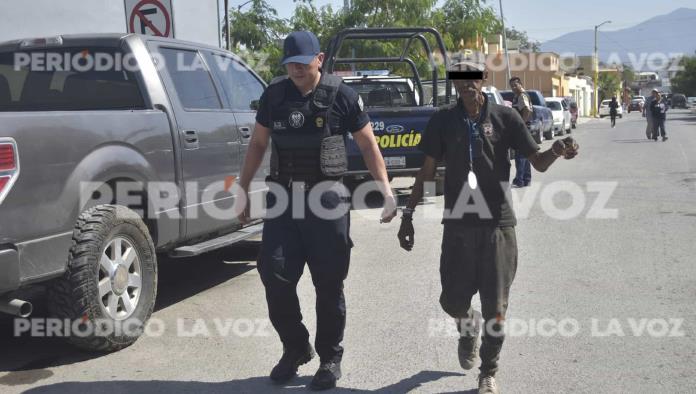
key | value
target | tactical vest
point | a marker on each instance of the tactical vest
(307, 145)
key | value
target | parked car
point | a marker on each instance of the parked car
(679, 101)
(604, 109)
(494, 96)
(539, 103)
(561, 114)
(691, 102)
(636, 105)
(71, 140)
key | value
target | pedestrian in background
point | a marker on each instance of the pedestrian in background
(523, 104)
(647, 114)
(613, 111)
(658, 109)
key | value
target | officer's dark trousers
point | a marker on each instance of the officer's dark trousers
(324, 244)
(484, 260)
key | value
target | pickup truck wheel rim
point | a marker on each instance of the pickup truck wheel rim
(120, 279)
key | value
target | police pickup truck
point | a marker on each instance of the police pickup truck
(399, 107)
(115, 150)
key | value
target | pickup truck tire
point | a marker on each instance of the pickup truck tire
(113, 307)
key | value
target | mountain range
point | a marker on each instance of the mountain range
(664, 35)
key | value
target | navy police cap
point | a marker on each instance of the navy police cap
(300, 47)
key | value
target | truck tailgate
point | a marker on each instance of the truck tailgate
(398, 132)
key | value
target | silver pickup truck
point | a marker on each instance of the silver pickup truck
(114, 150)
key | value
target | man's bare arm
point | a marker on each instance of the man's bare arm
(425, 174)
(567, 148)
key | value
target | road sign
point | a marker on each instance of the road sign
(150, 17)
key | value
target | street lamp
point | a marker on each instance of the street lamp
(227, 20)
(596, 69)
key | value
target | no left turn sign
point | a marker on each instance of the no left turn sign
(150, 17)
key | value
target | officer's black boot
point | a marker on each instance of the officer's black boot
(326, 376)
(286, 368)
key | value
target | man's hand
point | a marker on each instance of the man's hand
(567, 147)
(244, 216)
(406, 234)
(389, 211)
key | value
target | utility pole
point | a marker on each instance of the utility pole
(505, 48)
(227, 25)
(595, 106)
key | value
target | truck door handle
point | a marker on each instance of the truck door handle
(191, 138)
(245, 131)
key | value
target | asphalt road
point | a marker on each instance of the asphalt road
(621, 274)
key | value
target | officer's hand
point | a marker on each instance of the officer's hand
(406, 234)
(244, 216)
(389, 211)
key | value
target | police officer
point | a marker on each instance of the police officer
(479, 247)
(523, 104)
(306, 117)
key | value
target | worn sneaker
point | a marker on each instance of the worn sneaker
(469, 330)
(487, 385)
(291, 360)
(326, 376)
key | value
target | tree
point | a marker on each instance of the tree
(629, 75)
(466, 21)
(608, 84)
(526, 45)
(685, 80)
(257, 34)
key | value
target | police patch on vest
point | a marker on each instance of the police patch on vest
(319, 121)
(488, 129)
(278, 126)
(296, 119)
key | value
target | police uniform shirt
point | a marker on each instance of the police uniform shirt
(347, 110)
(447, 139)
(522, 101)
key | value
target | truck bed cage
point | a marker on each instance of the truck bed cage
(412, 34)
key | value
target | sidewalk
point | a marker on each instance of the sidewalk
(583, 120)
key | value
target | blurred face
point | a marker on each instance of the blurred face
(305, 75)
(469, 89)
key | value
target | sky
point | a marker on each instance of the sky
(559, 16)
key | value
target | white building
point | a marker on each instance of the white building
(581, 89)
(191, 20)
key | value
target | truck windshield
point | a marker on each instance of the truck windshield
(67, 79)
(384, 93)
